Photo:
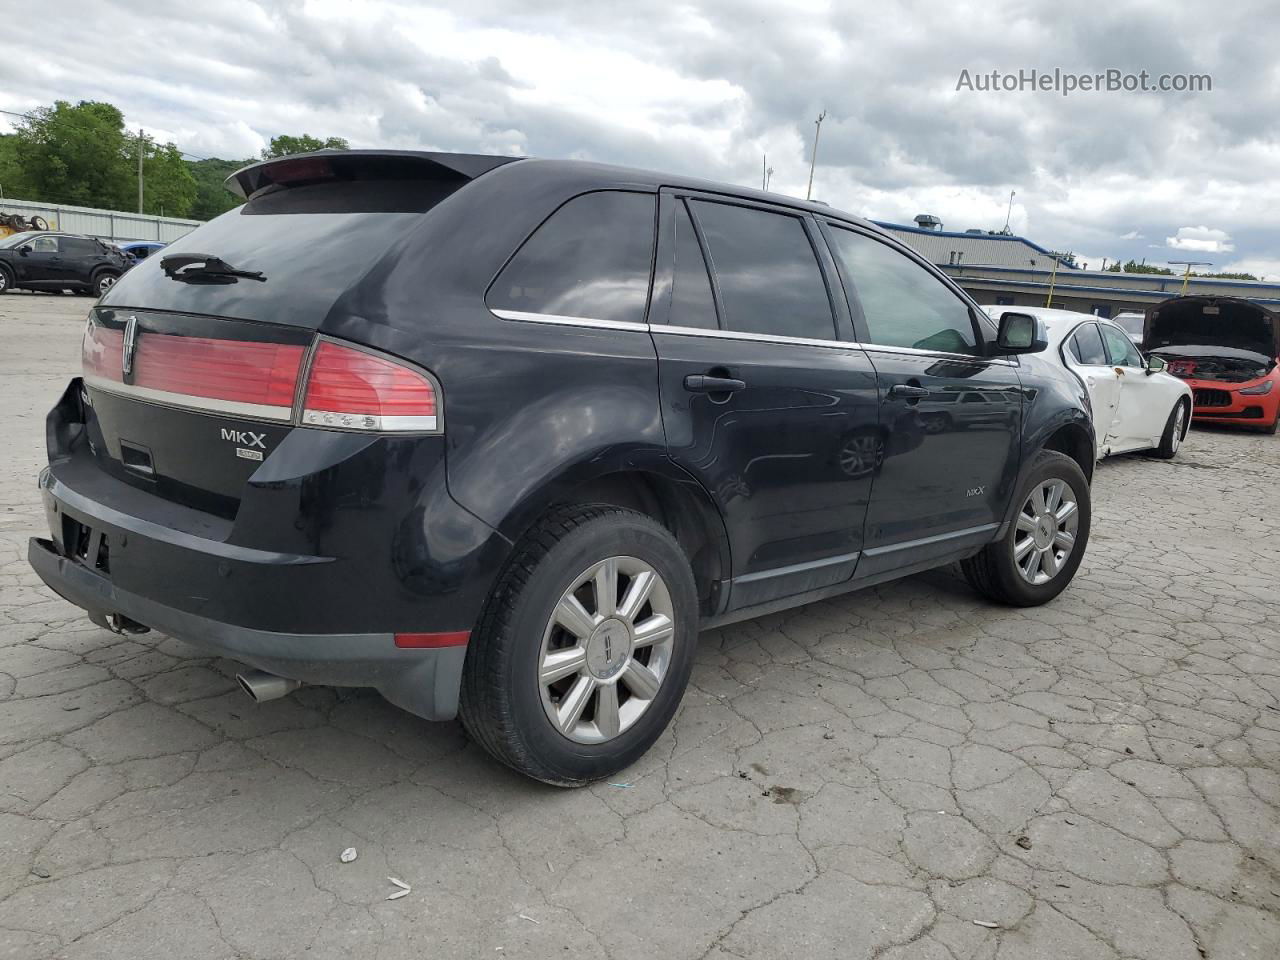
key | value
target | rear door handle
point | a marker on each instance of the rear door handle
(701, 383)
(908, 392)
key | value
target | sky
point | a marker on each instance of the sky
(708, 88)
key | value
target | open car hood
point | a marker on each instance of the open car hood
(1212, 324)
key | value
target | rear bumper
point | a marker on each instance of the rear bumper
(338, 544)
(423, 681)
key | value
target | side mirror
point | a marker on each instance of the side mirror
(1021, 333)
(1155, 365)
(24, 249)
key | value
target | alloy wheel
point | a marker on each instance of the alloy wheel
(1179, 418)
(1046, 531)
(105, 284)
(606, 650)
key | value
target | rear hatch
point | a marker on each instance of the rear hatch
(196, 361)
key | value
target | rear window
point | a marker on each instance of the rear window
(590, 260)
(312, 243)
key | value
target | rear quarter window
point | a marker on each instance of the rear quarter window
(590, 260)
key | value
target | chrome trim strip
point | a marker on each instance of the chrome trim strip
(925, 541)
(165, 398)
(798, 568)
(570, 321)
(759, 337)
(940, 354)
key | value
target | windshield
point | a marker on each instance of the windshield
(18, 239)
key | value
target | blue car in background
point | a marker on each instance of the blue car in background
(141, 249)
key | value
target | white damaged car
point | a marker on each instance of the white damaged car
(1136, 405)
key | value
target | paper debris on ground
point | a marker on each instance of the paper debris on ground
(348, 855)
(402, 892)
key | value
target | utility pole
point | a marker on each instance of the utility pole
(1186, 277)
(764, 171)
(808, 194)
(1053, 276)
(1009, 213)
(140, 143)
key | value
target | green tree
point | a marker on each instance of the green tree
(75, 154)
(1226, 276)
(284, 145)
(169, 189)
(1132, 266)
(212, 197)
(8, 165)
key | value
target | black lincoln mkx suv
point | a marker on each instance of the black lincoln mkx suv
(498, 437)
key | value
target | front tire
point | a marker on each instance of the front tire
(584, 648)
(1174, 430)
(6, 280)
(1042, 549)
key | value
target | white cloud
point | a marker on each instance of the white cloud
(704, 87)
(1201, 240)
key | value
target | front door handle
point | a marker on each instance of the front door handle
(908, 392)
(701, 383)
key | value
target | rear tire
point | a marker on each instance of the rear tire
(101, 282)
(1174, 430)
(1000, 570)
(510, 705)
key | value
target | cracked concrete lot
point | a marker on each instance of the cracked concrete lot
(907, 773)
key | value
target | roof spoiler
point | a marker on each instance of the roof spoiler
(322, 165)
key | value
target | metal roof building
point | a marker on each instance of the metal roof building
(956, 247)
(1010, 270)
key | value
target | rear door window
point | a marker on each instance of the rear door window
(1123, 352)
(904, 305)
(1086, 346)
(769, 278)
(591, 259)
(692, 302)
(72, 247)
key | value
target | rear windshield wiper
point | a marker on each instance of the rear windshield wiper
(205, 268)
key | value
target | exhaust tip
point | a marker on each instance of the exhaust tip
(261, 686)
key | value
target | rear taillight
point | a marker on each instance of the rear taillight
(346, 388)
(355, 390)
(240, 377)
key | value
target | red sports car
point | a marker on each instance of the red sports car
(1227, 349)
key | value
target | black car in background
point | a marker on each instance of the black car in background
(549, 421)
(41, 260)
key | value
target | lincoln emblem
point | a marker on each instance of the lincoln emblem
(130, 343)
